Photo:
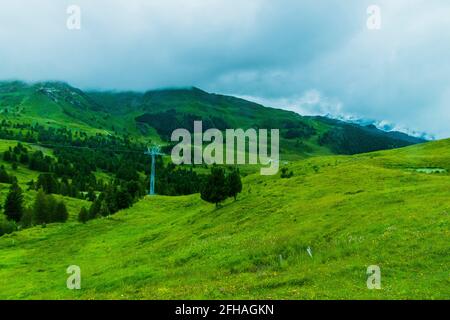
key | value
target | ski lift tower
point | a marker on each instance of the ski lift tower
(153, 152)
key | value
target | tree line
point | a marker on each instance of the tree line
(71, 171)
(44, 209)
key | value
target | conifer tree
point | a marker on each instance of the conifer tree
(104, 209)
(83, 216)
(4, 176)
(27, 218)
(234, 184)
(51, 204)
(14, 203)
(123, 199)
(215, 189)
(60, 212)
(40, 210)
(94, 210)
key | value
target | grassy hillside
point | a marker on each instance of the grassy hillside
(353, 211)
(54, 103)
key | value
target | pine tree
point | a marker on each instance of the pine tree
(51, 208)
(123, 199)
(40, 211)
(104, 209)
(94, 210)
(83, 216)
(234, 184)
(24, 158)
(215, 189)
(31, 185)
(60, 212)
(7, 156)
(14, 203)
(4, 176)
(111, 200)
(91, 195)
(47, 182)
(27, 218)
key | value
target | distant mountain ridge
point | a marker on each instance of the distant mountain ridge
(383, 125)
(155, 114)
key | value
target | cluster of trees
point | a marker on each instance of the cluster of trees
(115, 198)
(34, 133)
(59, 175)
(174, 181)
(219, 186)
(167, 121)
(289, 129)
(297, 129)
(71, 171)
(77, 156)
(353, 139)
(45, 209)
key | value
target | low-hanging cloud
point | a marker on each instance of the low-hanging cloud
(313, 57)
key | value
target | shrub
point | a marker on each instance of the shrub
(83, 216)
(286, 174)
(7, 226)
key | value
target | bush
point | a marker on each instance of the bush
(27, 218)
(286, 174)
(7, 226)
(83, 216)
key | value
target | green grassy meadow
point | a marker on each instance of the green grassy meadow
(352, 211)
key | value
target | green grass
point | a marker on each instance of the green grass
(353, 211)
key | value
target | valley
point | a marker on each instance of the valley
(349, 203)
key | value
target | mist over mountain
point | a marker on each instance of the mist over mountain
(153, 115)
(383, 125)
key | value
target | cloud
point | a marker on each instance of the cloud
(311, 103)
(313, 57)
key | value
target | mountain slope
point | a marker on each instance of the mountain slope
(153, 115)
(352, 211)
(51, 103)
(347, 138)
(167, 110)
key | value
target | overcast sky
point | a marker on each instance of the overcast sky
(314, 57)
